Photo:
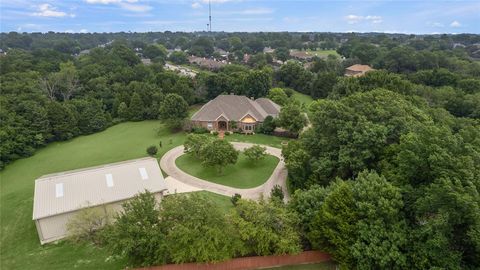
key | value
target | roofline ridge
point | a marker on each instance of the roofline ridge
(92, 168)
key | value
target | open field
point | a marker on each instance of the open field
(243, 174)
(323, 53)
(19, 244)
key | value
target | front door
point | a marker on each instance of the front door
(222, 125)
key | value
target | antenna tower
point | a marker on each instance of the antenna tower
(209, 16)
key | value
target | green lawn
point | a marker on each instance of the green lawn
(19, 244)
(258, 139)
(323, 53)
(304, 99)
(314, 266)
(223, 202)
(243, 174)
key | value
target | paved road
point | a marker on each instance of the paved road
(278, 177)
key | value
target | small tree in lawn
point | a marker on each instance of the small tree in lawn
(255, 153)
(173, 110)
(218, 153)
(292, 118)
(195, 142)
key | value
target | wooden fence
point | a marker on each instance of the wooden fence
(246, 263)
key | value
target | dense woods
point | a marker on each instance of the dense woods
(386, 177)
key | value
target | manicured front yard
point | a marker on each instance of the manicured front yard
(244, 174)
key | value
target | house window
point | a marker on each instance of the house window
(209, 125)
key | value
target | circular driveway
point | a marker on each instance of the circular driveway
(278, 177)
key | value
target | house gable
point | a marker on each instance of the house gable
(248, 119)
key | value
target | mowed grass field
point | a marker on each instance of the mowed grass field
(323, 53)
(304, 99)
(19, 244)
(243, 174)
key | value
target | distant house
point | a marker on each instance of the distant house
(59, 197)
(206, 62)
(221, 52)
(183, 71)
(357, 70)
(268, 50)
(234, 113)
(301, 55)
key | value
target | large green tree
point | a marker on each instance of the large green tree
(266, 228)
(173, 110)
(196, 230)
(292, 118)
(137, 233)
(218, 153)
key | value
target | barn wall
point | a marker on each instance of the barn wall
(55, 227)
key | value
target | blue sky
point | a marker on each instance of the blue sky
(407, 16)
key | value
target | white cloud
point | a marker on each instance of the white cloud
(47, 10)
(129, 5)
(455, 24)
(353, 19)
(374, 19)
(196, 5)
(83, 31)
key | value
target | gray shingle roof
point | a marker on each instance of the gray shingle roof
(235, 108)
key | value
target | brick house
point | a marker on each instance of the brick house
(234, 113)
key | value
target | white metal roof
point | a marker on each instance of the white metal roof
(72, 190)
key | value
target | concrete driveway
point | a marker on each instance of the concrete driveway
(278, 177)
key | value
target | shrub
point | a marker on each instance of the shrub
(152, 150)
(268, 125)
(288, 91)
(215, 133)
(277, 193)
(199, 130)
(235, 198)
